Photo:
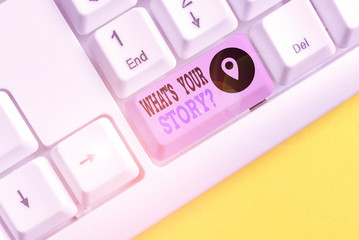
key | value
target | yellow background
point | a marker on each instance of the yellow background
(305, 188)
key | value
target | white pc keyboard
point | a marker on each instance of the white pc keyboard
(113, 114)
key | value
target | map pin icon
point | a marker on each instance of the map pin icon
(230, 67)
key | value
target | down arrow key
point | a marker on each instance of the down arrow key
(194, 25)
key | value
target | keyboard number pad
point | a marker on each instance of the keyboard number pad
(131, 52)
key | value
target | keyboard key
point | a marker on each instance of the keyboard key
(95, 162)
(33, 200)
(87, 15)
(131, 52)
(200, 97)
(57, 87)
(249, 9)
(304, 45)
(342, 20)
(194, 25)
(16, 139)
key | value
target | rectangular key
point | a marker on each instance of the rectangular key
(16, 139)
(304, 45)
(95, 162)
(50, 77)
(200, 97)
(34, 201)
(342, 20)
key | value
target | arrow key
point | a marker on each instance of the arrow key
(33, 201)
(195, 24)
(95, 162)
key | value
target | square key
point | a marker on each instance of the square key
(33, 200)
(95, 162)
(192, 26)
(131, 52)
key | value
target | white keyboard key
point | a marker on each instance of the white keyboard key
(57, 87)
(193, 25)
(131, 52)
(3, 234)
(304, 45)
(87, 15)
(33, 201)
(95, 162)
(342, 20)
(249, 9)
(16, 139)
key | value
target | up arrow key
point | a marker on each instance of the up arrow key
(24, 201)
